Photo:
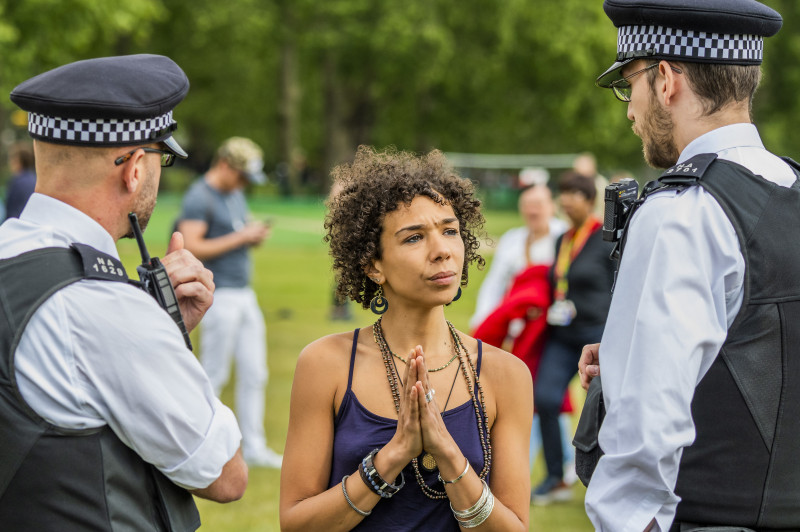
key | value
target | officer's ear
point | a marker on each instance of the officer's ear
(673, 82)
(133, 171)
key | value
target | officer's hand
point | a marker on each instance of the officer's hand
(193, 283)
(589, 364)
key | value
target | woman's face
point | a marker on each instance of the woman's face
(575, 206)
(423, 253)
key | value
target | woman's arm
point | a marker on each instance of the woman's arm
(306, 501)
(507, 384)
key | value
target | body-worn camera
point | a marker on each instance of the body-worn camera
(154, 280)
(619, 198)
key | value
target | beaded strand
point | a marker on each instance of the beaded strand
(482, 421)
(377, 334)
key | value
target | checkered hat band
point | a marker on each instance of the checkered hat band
(633, 40)
(99, 131)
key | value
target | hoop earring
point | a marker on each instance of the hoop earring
(379, 304)
(458, 296)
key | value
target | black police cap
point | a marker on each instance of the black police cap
(109, 101)
(712, 31)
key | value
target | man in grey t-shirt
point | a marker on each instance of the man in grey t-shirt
(216, 228)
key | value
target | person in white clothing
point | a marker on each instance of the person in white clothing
(533, 243)
(218, 229)
(698, 431)
(517, 249)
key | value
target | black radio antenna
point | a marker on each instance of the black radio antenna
(137, 232)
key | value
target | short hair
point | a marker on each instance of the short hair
(571, 181)
(376, 184)
(22, 152)
(718, 85)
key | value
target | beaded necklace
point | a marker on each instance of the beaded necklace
(482, 420)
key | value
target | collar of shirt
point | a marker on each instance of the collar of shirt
(723, 138)
(68, 224)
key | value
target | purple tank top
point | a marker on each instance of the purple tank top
(357, 431)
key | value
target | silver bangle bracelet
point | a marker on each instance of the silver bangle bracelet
(469, 513)
(459, 477)
(482, 515)
(362, 513)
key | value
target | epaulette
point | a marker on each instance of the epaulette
(689, 171)
(99, 265)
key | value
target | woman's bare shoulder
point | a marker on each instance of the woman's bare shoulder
(328, 351)
(497, 364)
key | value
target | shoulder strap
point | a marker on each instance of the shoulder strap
(29, 279)
(679, 177)
(794, 164)
(796, 168)
(352, 358)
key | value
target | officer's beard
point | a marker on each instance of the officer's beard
(656, 131)
(145, 202)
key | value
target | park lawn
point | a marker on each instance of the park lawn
(294, 284)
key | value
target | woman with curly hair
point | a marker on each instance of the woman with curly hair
(408, 424)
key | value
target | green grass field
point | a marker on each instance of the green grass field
(294, 284)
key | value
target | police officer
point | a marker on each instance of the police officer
(700, 383)
(107, 420)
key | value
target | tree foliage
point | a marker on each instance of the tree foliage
(36, 35)
(311, 80)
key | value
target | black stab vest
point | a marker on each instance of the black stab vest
(743, 467)
(55, 479)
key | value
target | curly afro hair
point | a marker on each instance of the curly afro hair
(376, 184)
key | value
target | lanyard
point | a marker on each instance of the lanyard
(571, 246)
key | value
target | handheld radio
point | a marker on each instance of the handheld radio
(154, 280)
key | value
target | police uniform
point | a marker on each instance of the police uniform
(100, 370)
(683, 292)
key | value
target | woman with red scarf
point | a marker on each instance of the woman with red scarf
(581, 280)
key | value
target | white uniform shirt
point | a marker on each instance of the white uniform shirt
(510, 258)
(100, 352)
(678, 290)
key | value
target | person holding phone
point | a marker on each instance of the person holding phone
(218, 229)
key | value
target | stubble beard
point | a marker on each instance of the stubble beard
(145, 203)
(656, 131)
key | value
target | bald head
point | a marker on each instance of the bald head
(585, 164)
(536, 208)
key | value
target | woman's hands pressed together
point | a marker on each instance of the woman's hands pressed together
(436, 439)
(419, 421)
(408, 436)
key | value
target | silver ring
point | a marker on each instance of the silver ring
(429, 395)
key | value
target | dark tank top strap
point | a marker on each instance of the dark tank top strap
(480, 357)
(353, 359)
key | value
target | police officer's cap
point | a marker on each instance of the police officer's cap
(109, 101)
(703, 31)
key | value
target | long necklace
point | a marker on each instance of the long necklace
(480, 409)
(428, 461)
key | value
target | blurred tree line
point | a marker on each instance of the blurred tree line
(310, 80)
